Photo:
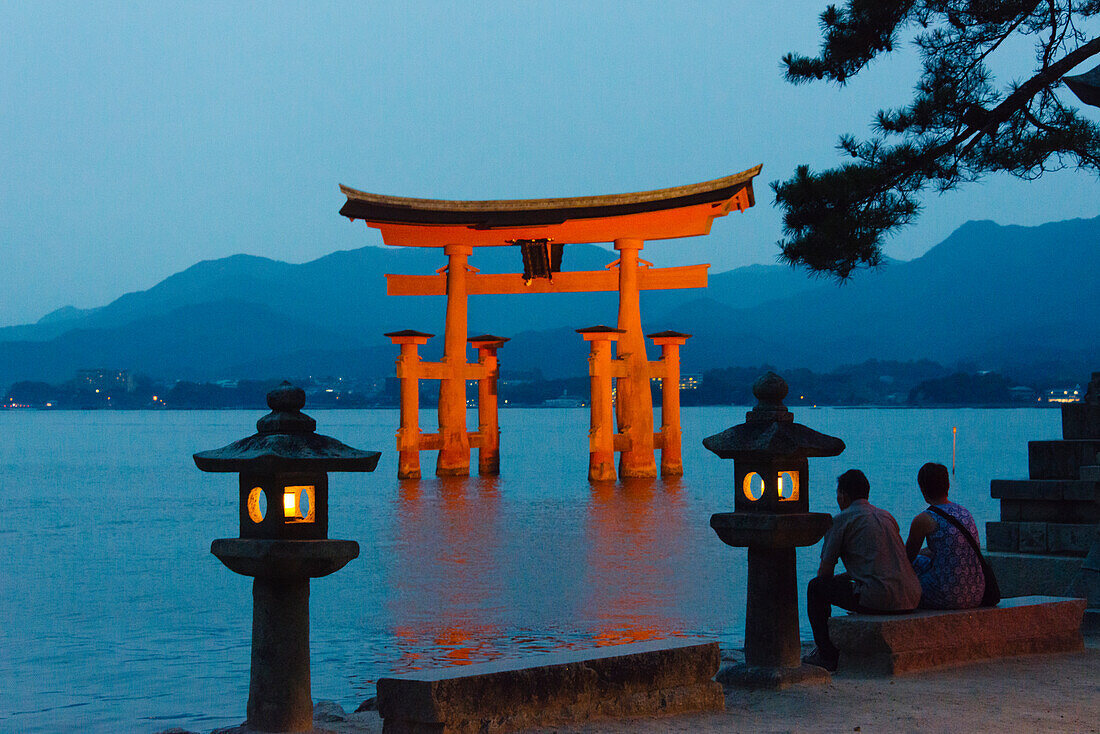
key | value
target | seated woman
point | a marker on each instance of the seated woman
(949, 570)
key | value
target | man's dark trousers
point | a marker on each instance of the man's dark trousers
(823, 593)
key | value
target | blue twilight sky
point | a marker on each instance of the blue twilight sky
(139, 138)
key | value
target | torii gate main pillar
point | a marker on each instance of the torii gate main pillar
(634, 401)
(454, 453)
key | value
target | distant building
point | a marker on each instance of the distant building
(565, 401)
(105, 381)
(1022, 393)
(690, 381)
(1064, 395)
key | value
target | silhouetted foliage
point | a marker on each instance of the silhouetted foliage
(959, 126)
(871, 383)
(537, 391)
(32, 393)
(988, 388)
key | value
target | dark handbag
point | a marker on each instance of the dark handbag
(992, 593)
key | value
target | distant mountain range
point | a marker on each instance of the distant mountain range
(1010, 298)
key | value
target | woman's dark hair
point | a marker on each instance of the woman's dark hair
(934, 481)
(854, 484)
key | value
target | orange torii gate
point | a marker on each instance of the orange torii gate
(540, 227)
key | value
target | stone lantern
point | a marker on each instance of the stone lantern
(283, 543)
(771, 518)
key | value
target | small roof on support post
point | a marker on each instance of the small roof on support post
(682, 211)
(486, 340)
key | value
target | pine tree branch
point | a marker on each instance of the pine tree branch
(1011, 104)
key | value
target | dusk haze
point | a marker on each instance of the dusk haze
(575, 366)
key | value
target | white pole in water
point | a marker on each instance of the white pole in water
(954, 435)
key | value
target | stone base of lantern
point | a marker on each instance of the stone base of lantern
(772, 644)
(755, 677)
(279, 694)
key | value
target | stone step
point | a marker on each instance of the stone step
(906, 643)
(1050, 511)
(1077, 490)
(1060, 459)
(1080, 420)
(1022, 574)
(654, 678)
(1053, 538)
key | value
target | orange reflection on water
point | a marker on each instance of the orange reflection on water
(469, 586)
(447, 539)
(452, 645)
(634, 529)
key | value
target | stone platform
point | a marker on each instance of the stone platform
(1023, 574)
(1047, 540)
(873, 645)
(660, 677)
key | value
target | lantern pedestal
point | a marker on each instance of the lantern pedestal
(772, 518)
(772, 646)
(279, 691)
(284, 543)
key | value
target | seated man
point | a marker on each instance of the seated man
(878, 577)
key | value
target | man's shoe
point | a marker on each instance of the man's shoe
(819, 659)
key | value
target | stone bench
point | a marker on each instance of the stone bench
(906, 643)
(659, 677)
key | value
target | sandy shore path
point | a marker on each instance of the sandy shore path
(1036, 693)
(1042, 693)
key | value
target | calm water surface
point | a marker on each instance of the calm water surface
(115, 617)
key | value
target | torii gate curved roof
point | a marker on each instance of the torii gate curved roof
(682, 211)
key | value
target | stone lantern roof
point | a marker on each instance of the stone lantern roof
(286, 441)
(769, 429)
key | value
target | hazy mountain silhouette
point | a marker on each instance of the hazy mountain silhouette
(992, 294)
(997, 296)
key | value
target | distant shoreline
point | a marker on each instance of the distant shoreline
(311, 408)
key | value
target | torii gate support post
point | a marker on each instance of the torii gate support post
(672, 465)
(453, 459)
(601, 434)
(634, 402)
(488, 455)
(409, 372)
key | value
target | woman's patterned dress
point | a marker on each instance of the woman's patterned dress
(950, 575)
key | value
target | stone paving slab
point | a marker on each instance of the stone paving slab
(655, 678)
(1031, 693)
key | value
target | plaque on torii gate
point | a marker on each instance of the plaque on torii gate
(539, 228)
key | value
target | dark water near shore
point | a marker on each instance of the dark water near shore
(115, 617)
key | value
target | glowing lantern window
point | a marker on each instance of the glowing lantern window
(298, 502)
(257, 505)
(753, 486)
(788, 486)
(284, 466)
